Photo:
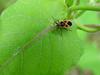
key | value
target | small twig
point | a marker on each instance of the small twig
(69, 14)
(87, 28)
(86, 7)
(78, 14)
(93, 25)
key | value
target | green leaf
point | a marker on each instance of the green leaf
(26, 46)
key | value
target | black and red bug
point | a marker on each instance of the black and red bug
(63, 24)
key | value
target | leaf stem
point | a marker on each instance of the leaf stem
(69, 15)
(78, 14)
(86, 7)
(88, 28)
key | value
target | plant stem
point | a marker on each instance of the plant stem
(88, 28)
(69, 15)
(97, 26)
(86, 7)
(78, 14)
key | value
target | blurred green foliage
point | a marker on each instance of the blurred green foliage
(91, 57)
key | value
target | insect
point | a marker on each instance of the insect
(61, 26)
(64, 24)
